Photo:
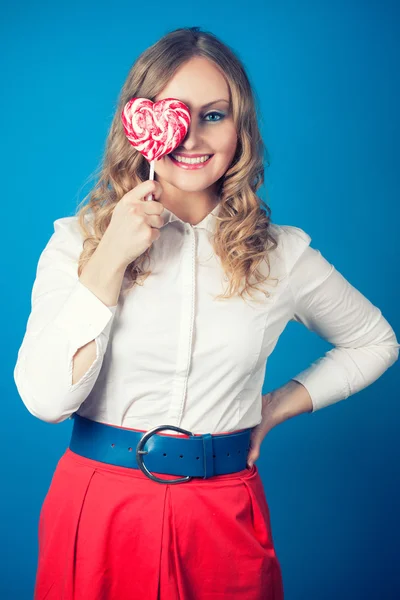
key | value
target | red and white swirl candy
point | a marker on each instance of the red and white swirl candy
(155, 128)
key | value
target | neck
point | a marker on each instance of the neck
(191, 207)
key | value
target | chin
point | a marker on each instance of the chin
(191, 186)
(190, 182)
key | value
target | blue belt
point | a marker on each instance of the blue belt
(202, 455)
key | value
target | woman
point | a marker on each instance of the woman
(179, 513)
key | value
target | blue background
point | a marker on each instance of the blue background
(327, 78)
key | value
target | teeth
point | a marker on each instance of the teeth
(191, 161)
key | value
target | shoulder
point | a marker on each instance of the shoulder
(292, 242)
(65, 242)
(290, 235)
(66, 226)
(67, 229)
(69, 226)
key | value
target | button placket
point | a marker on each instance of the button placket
(185, 335)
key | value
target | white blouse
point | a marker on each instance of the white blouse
(169, 353)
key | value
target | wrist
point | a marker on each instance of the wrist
(287, 401)
(105, 251)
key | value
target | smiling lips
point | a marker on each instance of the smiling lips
(196, 164)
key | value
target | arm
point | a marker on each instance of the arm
(285, 402)
(65, 316)
(103, 276)
(365, 345)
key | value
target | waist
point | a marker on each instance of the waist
(183, 454)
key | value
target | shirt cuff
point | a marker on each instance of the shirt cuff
(325, 382)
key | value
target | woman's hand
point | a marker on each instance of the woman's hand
(277, 406)
(259, 432)
(135, 223)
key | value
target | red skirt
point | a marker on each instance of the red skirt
(111, 533)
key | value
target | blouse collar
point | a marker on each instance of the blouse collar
(208, 222)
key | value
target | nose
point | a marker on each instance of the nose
(192, 140)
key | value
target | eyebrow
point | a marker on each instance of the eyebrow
(214, 102)
(208, 103)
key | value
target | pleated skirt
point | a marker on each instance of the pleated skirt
(111, 533)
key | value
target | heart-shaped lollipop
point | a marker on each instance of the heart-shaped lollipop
(155, 128)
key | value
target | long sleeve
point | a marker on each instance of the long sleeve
(365, 345)
(65, 315)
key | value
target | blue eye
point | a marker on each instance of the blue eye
(214, 113)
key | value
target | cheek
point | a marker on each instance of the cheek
(226, 143)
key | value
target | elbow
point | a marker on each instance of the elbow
(44, 410)
(390, 342)
(394, 354)
(45, 415)
(385, 346)
(392, 347)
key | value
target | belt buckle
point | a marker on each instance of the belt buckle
(140, 452)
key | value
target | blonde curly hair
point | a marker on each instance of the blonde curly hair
(242, 236)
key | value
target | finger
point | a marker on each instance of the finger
(253, 456)
(152, 207)
(155, 221)
(155, 190)
(143, 190)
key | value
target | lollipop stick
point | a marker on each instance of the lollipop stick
(150, 196)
